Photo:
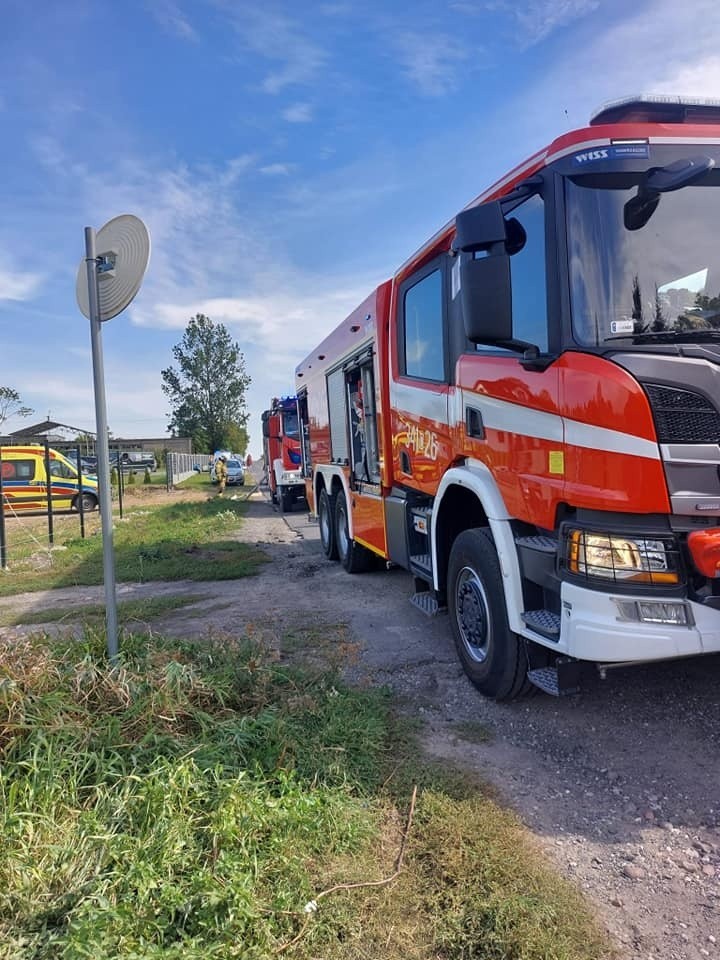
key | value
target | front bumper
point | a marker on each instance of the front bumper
(591, 629)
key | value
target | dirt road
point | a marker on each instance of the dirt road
(621, 784)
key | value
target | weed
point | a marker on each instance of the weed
(191, 801)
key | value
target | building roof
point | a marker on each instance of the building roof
(45, 426)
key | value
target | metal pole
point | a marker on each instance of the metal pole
(81, 510)
(103, 453)
(120, 483)
(3, 543)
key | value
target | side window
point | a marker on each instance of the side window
(526, 244)
(424, 339)
(18, 469)
(528, 276)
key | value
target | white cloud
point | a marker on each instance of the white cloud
(18, 284)
(537, 19)
(276, 169)
(645, 51)
(298, 113)
(279, 38)
(286, 313)
(169, 15)
(431, 62)
(698, 78)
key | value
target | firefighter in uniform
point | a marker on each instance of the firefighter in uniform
(221, 474)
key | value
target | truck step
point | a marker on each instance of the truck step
(427, 603)
(539, 543)
(545, 679)
(560, 680)
(421, 563)
(544, 622)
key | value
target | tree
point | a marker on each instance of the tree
(11, 405)
(207, 390)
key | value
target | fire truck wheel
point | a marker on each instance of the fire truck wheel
(353, 556)
(492, 655)
(326, 522)
(286, 500)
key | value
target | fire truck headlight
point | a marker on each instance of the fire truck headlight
(291, 476)
(623, 559)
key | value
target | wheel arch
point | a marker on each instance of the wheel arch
(468, 497)
(334, 481)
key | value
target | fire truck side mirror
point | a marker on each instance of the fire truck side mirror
(479, 228)
(485, 290)
(486, 298)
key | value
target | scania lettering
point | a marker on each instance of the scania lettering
(526, 415)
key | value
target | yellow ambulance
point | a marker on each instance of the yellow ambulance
(25, 482)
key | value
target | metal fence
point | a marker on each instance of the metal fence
(25, 532)
(180, 466)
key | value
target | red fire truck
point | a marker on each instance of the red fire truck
(526, 416)
(281, 450)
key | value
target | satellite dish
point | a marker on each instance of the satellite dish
(123, 251)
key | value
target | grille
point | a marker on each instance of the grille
(683, 416)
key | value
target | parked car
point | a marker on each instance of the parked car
(134, 460)
(236, 472)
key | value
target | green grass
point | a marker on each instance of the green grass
(191, 802)
(130, 612)
(190, 540)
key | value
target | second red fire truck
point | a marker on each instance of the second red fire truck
(526, 416)
(281, 450)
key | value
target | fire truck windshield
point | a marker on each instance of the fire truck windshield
(290, 425)
(659, 282)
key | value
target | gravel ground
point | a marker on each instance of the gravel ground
(620, 784)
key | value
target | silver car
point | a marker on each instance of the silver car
(236, 472)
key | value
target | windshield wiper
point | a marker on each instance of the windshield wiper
(668, 336)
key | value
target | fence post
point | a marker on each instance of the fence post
(48, 487)
(81, 507)
(120, 483)
(3, 543)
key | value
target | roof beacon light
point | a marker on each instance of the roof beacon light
(644, 108)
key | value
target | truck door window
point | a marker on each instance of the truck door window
(423, 330)
(528, 276)
(364, 454)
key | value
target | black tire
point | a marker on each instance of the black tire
(493, 657)
(286, 500)
(326, 522)
(89, 503)
(352, 555)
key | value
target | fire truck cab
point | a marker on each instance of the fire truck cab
(281, 451)
(526, 416)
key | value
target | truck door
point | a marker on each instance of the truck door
(419, 384)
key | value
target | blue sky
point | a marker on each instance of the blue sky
(286, 157)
